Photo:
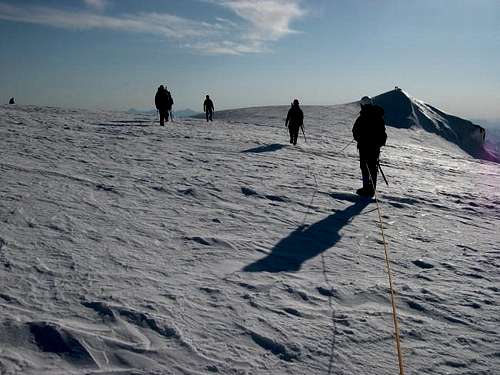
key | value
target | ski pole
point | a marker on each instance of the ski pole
(382, 173)
(303, 132)
(345, 147)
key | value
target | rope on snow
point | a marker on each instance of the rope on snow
(393, 297)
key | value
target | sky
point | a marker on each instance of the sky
(113, 54)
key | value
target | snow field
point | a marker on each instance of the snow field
(208, 248)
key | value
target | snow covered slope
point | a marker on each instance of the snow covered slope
(404, 111)
(128, 248)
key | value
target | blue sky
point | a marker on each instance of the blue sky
(114, 53)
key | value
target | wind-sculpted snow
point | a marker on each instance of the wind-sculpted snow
(195, 248)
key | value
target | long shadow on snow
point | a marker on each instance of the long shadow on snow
(267, 148)
(306, 242)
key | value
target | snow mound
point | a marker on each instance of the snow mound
(404, 111)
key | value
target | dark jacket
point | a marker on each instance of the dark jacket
(369, 128)
(208, 105)
(295, 117)
(162, 100)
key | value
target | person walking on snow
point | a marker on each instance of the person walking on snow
(161, 103)
(170, 104)
(208, 108)
(369, 133)
(294, 121)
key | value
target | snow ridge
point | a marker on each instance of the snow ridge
(404, 111)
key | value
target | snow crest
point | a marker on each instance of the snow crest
(404, 111)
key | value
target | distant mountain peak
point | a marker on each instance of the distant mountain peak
(404, 111)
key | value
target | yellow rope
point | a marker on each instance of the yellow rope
(393, 298)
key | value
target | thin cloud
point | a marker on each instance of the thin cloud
(269, 20)
(99, 5)
(168, 25)
(266, 21)
(228, 47)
